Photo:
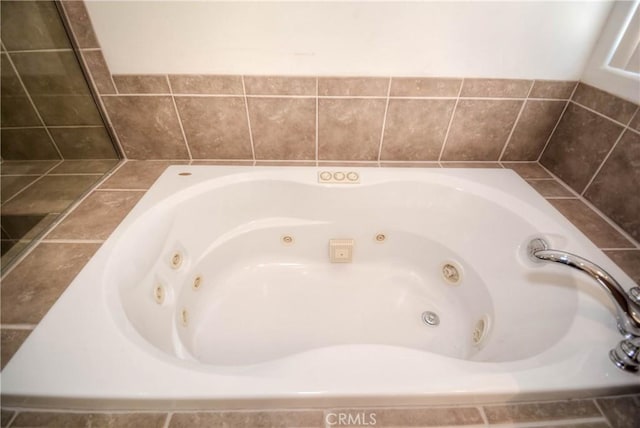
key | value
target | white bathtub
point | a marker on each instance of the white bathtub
(218, 291)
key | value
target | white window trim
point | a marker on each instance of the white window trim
(598, 72)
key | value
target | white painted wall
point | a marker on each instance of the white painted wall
(516, 39)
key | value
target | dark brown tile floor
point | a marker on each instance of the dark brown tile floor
(44, 274)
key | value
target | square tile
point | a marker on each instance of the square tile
(283, 128)
(350, 129)
(29, 25)
(480, 129)
(215, 127)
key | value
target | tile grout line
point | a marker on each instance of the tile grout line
(611, 223)
(453, 113)
(604, 160)
(21, 51)
(175, 107)
(553, 131)
(617, 122)
(384, 120)
(620, 249)
(317, 122)
(33, 104)
(515, 123)
(59, 220)
(595, 402)
(18, 326)
(41, 176)
(13, 418)
(167, 420)
(483, 415)
(246, 108)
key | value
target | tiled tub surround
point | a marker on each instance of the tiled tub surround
(596, 150)
(47, 109)
(339, 118)
(32, 286)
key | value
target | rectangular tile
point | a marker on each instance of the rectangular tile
(591, 224)
(415, 129)
(223, 162)
(533, 129)
(206, 84)
(84, 143)
(353, 86)
(350, 129)
(68, 110)
(635, 122)
(50, 73)
(97, 216)
(527, 169)
(99, 71)
(27, 144)
(27, 167)
(80, 22)
(147, 127)
(405, 417)
(280, 85)
(550, 188)
(137, 174)
(622, 412)
(495, 88)
(410, 164)
(16, 109)
(215, 127)
(604, 103)
(283, 128)
(559, 89)
(83, 420)
(479, 129)
(612, 189)
(425, 87)
(284, 163)
(31, 288)
(250, 419)
(470, 165)
(141, 83)
(578, 146)
(12, 184)
(29, 25)
(537, 412)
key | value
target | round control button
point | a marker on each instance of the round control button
(352, 176)
(325, 175)
(338, 176)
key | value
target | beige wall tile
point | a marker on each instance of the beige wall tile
(28, 25)
(84, 143)
(353, 86)
(80, 23)
(480, 129)
(283, 128)
(251, 419)
(206, 84)
(147, 126)
(417, 417)
(534, 127)
(99, 71)
(415, 129)
(141, 83)
(550, 188)
(537, 412)
(425, 87)
(628, 261)
(31, 288)
(27, 144)
(350, 129)
(51, 194)
(67, 110)
(560, 89)
(578, 146)
(216, 127)
(611, 190)
(590, 223)
(495, 88)
(137, 174)
(97, 216)
(604, 103)
(11, 341)
(622, 412)
(527, 169)
(280, 85)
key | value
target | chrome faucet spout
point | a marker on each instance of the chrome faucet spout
(627, 304)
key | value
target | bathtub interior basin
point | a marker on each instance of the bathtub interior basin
(230, 283)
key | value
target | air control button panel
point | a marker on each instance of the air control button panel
(339, 177)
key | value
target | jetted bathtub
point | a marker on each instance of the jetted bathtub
(248, 287)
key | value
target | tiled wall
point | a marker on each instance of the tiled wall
(47, 109)
(596, 150)
(348, 119)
